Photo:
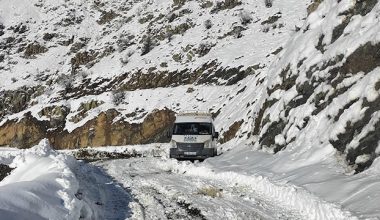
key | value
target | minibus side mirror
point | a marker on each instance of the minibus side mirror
(169, 133)
(216, 135)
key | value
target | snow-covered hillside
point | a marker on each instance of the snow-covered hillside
(46, 39)
(299, 79)
(71, 69)
(323, 90)
(113, 73)
(294, 89)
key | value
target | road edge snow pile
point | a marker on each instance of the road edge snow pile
(287, 196)
(42, 186)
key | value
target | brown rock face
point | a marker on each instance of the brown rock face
(83, 58)
(101, 131)
(34, 49)
(232, 130)
(313, 6)
(23, 134)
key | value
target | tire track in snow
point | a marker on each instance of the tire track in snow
(289, 197)
(150, 203)
(176, 209)
(102, 197)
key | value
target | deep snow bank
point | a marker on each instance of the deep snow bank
(317, 187)
(41, 187)
(286, 196)
(318, 184)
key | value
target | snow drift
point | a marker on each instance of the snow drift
(42, 186)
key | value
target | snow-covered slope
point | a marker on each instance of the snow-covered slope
(278, 80)
(67, 62)
(108, 39)
(113, 73)
(323, 90)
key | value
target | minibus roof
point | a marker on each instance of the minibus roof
(196, 117)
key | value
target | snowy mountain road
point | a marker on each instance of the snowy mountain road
(103, 198)
(161, 193)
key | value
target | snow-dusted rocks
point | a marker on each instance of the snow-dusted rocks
(323, 90)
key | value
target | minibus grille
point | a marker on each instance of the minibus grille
(190, 146)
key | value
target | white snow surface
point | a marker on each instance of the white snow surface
(309, 177)
(47, 184)
(296, 189)
(50, 16)
(272, 187)
(42, 185)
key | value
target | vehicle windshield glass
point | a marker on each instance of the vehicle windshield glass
(192, 128)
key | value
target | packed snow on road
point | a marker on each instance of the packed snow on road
(238, 184)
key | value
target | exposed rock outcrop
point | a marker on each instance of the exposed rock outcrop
(209, 74)
(313, 6)
(24, 133)
(33, 49)
(101, 131)
(231, 132)
(56, 115)
(13, 101)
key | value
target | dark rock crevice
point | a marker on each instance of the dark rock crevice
(361, 7)
(5, 170)
(365, 59)
(268, 138)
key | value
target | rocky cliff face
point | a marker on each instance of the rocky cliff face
(103, 130)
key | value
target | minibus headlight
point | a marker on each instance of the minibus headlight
(173, 144)
(208, 144)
